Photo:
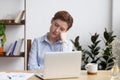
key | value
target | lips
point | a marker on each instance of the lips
(54, 33)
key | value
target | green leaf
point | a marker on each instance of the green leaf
(96, 43)
(89, 53)
(105, 57)
(76, 41)
(2, 33)
(106, 35)
(103, 65)
(94, 37)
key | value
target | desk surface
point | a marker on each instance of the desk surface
(101, 75)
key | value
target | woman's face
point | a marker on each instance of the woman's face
(57, 27)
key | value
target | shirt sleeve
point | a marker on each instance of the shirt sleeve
(33, 63)
(68, 46)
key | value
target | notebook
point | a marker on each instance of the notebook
(61, 65)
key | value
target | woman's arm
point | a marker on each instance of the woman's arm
(33, 62)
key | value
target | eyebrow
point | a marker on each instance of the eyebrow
(60, 26)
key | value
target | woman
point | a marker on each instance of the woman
(53, 41)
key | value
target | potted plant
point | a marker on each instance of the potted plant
(94, 50)
(2, 37)
(108, 59)
(105, 59)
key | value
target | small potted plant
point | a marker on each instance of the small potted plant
(94, 50)
(108, 57)
(2, 37)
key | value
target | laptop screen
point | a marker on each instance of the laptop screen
(62, 64)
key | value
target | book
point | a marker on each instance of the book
(18, 47)
(20, 16)
(13, 48)
(10, 49)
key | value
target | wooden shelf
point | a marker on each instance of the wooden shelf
(11, 22)
(22, 55)
(11, 56)
(9, 19)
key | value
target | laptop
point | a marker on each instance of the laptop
(61, 65)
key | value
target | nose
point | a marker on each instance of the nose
(57, 29)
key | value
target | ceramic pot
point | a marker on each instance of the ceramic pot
(1, 51)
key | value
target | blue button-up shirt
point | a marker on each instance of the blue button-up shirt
(42, 45)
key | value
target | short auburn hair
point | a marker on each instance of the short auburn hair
(64, 16)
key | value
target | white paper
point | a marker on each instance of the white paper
(15, 75)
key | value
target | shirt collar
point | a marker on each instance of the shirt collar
(46, 39)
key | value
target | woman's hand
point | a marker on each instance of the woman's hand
(63, 36)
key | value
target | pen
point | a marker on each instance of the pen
(9, 77)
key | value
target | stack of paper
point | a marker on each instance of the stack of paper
(15, 76)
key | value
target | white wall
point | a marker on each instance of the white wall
(90, 16)
(116, 22)
(116, 17)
